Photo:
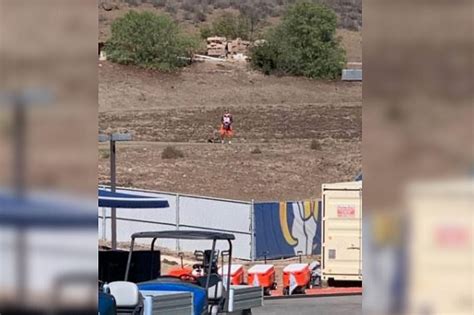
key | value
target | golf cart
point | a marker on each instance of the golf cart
(205, 293)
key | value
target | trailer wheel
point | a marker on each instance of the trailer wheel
(266, 291)
(247, 312)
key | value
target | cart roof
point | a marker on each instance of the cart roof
(187, 235)
(109, 199)
(37, 210)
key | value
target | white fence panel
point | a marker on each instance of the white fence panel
(45, 253)
(190, 213)
(221, 215)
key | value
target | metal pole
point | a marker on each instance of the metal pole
(113, 213)
(19, 153)
(208, 279)
(19, 117)
(252, 231)
(104, 224)
(178, 247)
(226, 304)
(129, 260)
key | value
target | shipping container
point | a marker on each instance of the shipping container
(342, 231)
(440, 255)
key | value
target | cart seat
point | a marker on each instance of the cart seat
(127, 297)
(216, 291)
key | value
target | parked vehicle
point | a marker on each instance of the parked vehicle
(204, 293)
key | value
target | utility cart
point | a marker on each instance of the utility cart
(206, 292)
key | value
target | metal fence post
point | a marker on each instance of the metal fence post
(104, 224)
(178, 249)
(252, 231)
(113, 211)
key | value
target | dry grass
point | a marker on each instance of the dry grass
(315, 145)
(104, 153)
(171, 153)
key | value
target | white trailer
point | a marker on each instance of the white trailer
(342, 231)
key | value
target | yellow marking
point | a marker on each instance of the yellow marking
(284, 226)
(307, 210)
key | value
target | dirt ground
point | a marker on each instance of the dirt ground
(280, 116)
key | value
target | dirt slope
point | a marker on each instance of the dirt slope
(280, 116)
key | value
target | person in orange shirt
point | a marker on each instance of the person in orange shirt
(226, 129)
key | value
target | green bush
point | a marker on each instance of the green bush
(150, 41)
(303, 44)
(206, 31)
(229, 25)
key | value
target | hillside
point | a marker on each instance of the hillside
(193, 14)
(278, 115)
(351, 37)
(292, 134)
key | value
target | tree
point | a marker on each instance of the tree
(228, 25)
(304, 43)
(255, 12)
(150, 41)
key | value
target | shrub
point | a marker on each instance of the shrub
(303, 44)
(206, 31)
(188, 5)
(150, 41)
(222, 4)
(104, 153)
(256, 151)
(199, 17)
(133, 3)
(171, 153)
(171, 8)
(187, 16)
(315, 145)
(228, 25)
(158, 3)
